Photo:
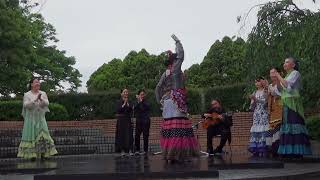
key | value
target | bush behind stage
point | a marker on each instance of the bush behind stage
(102, 105)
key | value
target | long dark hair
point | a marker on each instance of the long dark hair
(279, 70)
(121, 90)
(218, 100)
(170, 57)
(259, 78)
(276, 68)
(141, 90)
(31, 81)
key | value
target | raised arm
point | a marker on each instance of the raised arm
(179, 51)
(290, 81)
(180, 55)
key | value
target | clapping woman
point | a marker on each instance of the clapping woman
(36, 141)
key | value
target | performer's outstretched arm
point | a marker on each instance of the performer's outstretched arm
(179, 51)
(180, 55)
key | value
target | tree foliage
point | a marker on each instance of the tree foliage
(282, 30)
(27, 48)
(137, 70)
(285, 30)
(223, 65)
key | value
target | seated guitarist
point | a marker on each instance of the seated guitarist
(220, 126)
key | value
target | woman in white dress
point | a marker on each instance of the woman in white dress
(258, 133)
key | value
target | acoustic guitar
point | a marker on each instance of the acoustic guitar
(211, 119)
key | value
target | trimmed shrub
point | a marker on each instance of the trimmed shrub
(195, 101)
(11, 110)
(57, 113)
(102, 105)
(231, 97)
(313, 125)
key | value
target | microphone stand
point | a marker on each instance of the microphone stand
(196, 127)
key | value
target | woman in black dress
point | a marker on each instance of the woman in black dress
(124, 130)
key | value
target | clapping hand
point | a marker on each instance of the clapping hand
(275, 73)
(39, 97)
(252, 97)
(125, 102)
(207, 115)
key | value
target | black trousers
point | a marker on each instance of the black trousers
(214, 131)
(142, 127)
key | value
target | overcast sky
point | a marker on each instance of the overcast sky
(97, 31)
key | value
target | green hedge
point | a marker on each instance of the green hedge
(102, 105)
(85, 106)
(88, 106)
(231, 97)
(195, 101)
(11, 110)
(313, 125)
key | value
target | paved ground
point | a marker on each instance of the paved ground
(308, 169)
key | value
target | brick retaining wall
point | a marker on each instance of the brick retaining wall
(242, 122)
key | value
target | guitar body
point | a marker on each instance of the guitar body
(211, 119)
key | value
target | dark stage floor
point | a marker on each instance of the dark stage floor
(133, 167)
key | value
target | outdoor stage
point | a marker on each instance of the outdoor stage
(132, 167)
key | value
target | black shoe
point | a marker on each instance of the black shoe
(298, 157)
(44, 158)
(173, 161)
(217, 152)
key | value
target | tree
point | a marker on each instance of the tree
(25, 51)
(283, 30)
(223, 65)
(137, 70)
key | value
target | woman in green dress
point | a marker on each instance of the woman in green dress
(294, 139)
(36, 141)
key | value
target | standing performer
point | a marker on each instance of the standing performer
(294, 139)
(36, 141)
(124, 128)
(275, 113)
(141, 111)
(260, 123)
(177, 139)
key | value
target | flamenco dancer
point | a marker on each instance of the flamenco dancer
(177, 140)
(294, 138)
